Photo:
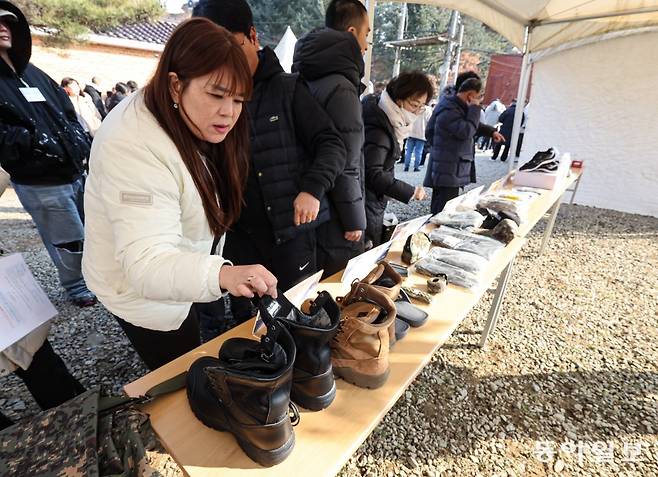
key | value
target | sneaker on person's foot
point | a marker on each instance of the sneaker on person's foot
(85, 301)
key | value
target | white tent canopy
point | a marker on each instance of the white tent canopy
(555, 22)
(285, 50)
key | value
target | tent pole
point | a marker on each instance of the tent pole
(370, 6)
(447, 61)
(402, 26)
(520, 99)
(459, 50)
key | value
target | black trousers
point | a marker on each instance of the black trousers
(157, 348)
(333, 251)
(498, 145)
(290, 262)
(440, 196)
(48, 380)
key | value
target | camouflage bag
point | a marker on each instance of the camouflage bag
(88, 436)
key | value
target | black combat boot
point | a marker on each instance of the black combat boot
(247, 392)
(313, 328)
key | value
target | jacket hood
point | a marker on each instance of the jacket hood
(268, 65)
(21, 49)
(325, 51)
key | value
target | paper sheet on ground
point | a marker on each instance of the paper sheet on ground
(23, 304)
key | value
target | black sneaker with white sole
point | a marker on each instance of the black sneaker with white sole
(540, 159)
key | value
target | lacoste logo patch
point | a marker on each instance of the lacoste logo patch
(274, 119)
(136, 198)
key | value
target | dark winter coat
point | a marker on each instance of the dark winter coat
(450, 135)
(115, 99)
(330, 62)
(381, 152)
(507, 120)
(41, 143)
(95, 96)
(294, 148)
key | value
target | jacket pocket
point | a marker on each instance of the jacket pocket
(464, 167)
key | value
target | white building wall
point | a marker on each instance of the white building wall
(600, 103)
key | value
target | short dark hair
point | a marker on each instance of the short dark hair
(121, 88)
(463, 77)
(409, 85)
(132, 85)
(471, 84)
(67, 81)
(342, 14)
(234, 15)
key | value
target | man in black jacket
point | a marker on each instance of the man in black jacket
(296, 155)
(450, 134)
(330, 60)
(96, 96)
(44, 149)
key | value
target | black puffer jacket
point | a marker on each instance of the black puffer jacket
(381, 151)
(331, 63)
(294, 148)
(41, 143)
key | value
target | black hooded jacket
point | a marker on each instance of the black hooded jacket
(294, 148)
(330, 62)
(41, 143)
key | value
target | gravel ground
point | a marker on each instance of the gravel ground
(571, 368)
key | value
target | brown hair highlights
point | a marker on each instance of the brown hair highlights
(197, 48)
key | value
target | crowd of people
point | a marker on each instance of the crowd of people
(223, 175)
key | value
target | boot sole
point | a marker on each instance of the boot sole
(313, 403)
(266, 458)
(362, 380)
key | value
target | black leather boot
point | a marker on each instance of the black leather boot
(312, 328)
(247, 392)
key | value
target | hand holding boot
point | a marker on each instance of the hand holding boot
(247, 280)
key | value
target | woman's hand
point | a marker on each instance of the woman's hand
(419, 193)
(247, 280)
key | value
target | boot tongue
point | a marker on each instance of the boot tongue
(240, 354)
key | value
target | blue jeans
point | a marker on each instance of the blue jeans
(414, 147)
(58, 214)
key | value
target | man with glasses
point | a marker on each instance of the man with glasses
(450, 133)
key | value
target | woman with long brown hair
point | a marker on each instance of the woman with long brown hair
(167, 174)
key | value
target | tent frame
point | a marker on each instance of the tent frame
(526, 61)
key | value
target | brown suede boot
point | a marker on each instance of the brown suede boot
(359, 352)
(385, 279)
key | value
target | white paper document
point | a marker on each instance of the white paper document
(23, 304)
(403, 230)
(362, 264)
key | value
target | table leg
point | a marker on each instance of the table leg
(497, 303)
(575, 189)
(550, 225)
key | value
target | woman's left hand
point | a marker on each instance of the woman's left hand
(419, 193)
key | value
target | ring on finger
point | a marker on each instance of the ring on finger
(249, 278)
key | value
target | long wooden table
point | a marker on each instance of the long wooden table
(326, 440)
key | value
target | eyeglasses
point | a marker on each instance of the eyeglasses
(415, 105)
